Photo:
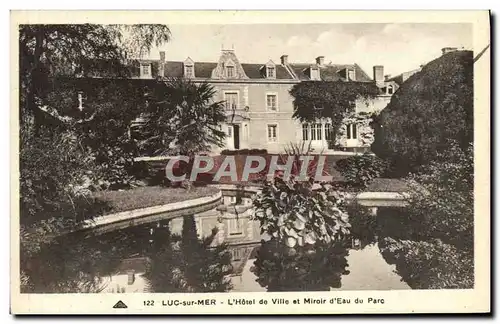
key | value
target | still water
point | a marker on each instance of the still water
(220, 250)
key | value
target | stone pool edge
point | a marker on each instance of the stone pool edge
(144, 215)
(111, 222)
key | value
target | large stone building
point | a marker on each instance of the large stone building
(258, 103)
(259, 107)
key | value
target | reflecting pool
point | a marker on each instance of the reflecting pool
(216, 251)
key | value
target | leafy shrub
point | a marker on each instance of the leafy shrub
(430, 265)
(56, 177)
(298, 214)
(364, 225)
(360, 170)
(439, 251)
(442, 197)
(433, 106)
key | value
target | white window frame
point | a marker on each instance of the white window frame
(277, 105)
(237, 252)
(353, 70)
(350, 132)
(317, 76)
(186, 66)
(237, 99)
(390, 87)
(306, 130)
(143, 75)
(273, 68)
(239, 224)
(277, 132)
(328, 132)
(227, 71)
(313, 132)
(319, 131)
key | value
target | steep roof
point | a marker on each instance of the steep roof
(330, 72)
(203, 70)
(253, 71)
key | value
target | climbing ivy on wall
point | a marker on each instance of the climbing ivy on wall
(363, 121)
(333, 100)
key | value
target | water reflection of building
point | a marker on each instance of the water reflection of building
(234, 225)
(232, 221)
(128, 277)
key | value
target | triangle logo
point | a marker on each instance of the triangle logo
(120, 304)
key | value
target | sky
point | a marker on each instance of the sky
(398, 47)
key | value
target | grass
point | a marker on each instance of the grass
(141, 197)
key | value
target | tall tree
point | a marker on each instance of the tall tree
(46, 50)
(182, 118)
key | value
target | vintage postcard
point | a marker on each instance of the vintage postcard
(250, 162)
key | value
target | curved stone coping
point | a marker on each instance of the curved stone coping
(231, 187)
(145, 215)
(380, 199)
(367, 198)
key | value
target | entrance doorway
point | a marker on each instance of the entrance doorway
(236, 132)
(233, 137)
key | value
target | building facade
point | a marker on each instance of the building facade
(259, 107)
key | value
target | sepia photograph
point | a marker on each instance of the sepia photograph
(323, 166)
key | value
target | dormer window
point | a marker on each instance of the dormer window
(390, 89)
(145, 70)
(351, 74)
(189, 68)
(189, 71)
(268, 71)
(315, 73)
(230, 71)
(271, 72)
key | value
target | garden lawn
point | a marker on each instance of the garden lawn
(141, 197)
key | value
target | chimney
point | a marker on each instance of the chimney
(284, 59)
(378, 75)
(161, 71)
(320, 60)
(130, 277)
(387, 77)
(446, 50)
